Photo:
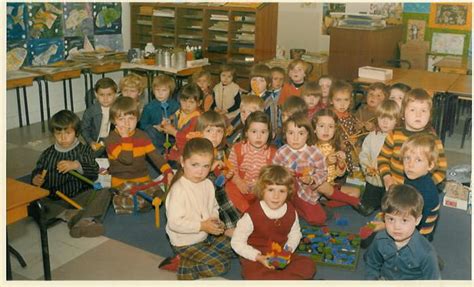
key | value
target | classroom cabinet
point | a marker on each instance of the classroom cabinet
(350, 49)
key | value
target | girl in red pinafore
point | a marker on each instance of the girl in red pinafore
(272, 219)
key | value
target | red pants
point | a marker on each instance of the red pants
(314, 214)
(300, 268)
(241, 201)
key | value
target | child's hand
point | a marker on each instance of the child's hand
(306, 179)
(65, 166)
(168, 128)
(263, 259)
(341, 156)
(369, 126)
(212, 226)
(388, 181)
(332, 158)
(219, 164)
(95, 146)
(242, 186)
(39, 179)
(157, 127)
(378, 225)
(229, 174)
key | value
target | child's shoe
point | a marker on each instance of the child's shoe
(170, 263)
(87, 228)
(364, 210)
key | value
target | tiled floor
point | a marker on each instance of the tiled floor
(102, 258)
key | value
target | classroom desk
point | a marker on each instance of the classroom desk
(456, 65)
(19, 196)
(462, 87)
(22, 79)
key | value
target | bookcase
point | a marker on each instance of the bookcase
(240, 34)
(350, 49)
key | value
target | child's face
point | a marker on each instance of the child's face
(297, 74)
(296, 137)
(162, 93)
(197, 166)
(258, 85)
(105, 97)
(188, 105)
(416, 164)
(275, 195)
(126, 122)
(246, 110)
(401, 227)
(417, 115)
(214, 134)
(311, 100)
(226, 78)
(257, 134)
(325, 128)
(203, 83)
(277, 80)
(130, 92)
(397, 95)
(386, 124)
(341, 101)
(325, 84)
(375, 98)
(65, 138)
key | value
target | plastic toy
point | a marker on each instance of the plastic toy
(332, 248)
(95, 185)
(279, 257)
(164, 106)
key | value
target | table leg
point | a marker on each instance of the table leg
(27, 114)
(44, 240)
(65, 94)
(71, 95)
(18, 102)
(9, 264)
(40, 89)
(48, 111)
(149, 78)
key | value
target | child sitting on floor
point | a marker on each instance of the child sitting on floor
(271, 219)
(132, 86)
(52, 172)
(227, 94)
(376, 94)
(248, 105)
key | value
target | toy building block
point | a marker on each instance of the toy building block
(279, 257)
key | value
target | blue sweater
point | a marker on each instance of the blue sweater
(425, 185)
(153, 113)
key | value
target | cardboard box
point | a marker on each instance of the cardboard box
(456, 195)
(374, 73)
(415, 52)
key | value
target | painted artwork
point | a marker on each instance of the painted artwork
(16, 21)
(16, 54)
(416, 30)
(45, 51)
(447, 43)
(75, 44)
(107, 18)
(328, 20)
(78, 20)
(422, 8)
(456, 16)
(392, 11)
(109, 42)
(45, 20)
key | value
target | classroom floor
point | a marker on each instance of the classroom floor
(103, 258)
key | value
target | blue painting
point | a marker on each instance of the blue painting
(17, 16)
(107, 18)
(43, 52)
(78, 20)
(422, 8)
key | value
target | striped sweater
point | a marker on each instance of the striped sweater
(127, 155)
(390, 162)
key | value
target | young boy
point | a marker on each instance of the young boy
(297, 71)
(227, 94)
(419, 156)
(278, 79)
(163, 106)
(400, 252)
(248, 105)
(127, 146)
(52, 172)
(416, 111)
(376, 94)
(132, 86)
(312, 93)
(95, 121)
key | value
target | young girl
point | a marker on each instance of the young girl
(203, 80)
(387, 117)
(227, 94)
(297, 71)
(271, 219)
(376, 94)
(340, 97)
(311, 94)
(330, 144)
(193, 216)
(397, 92)
(325, 82)
(306, 162)
(184, 120)
(132, 86)
(247, 158)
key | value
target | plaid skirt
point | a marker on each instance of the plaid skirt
(208, 258)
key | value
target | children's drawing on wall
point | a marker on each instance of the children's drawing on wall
(109, 42)
(107, 18)
(16, 55)
(78, 20)
(416, 30)
(76, 44)
(328, 20)
(45, 20)
(45, 51)
(456, 16)
(447, 43)
(391, 11)
(16, 21)
(423, 8)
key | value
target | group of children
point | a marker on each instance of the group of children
(248, 165)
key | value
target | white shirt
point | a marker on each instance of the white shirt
(105, 124)
(187, 205)
(371, 148)
(245, 228)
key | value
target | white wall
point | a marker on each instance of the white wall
(56, 88)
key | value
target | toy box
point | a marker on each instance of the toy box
(329, 247)
(375, 73)
(456, 195)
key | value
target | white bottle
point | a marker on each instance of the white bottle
(149, 49)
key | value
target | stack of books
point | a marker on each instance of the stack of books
(360, 21)
(219, 17)
(164, 13)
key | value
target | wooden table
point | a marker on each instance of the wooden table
(456, 65)
(22, 79)
(19, 196)
(462, 87)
